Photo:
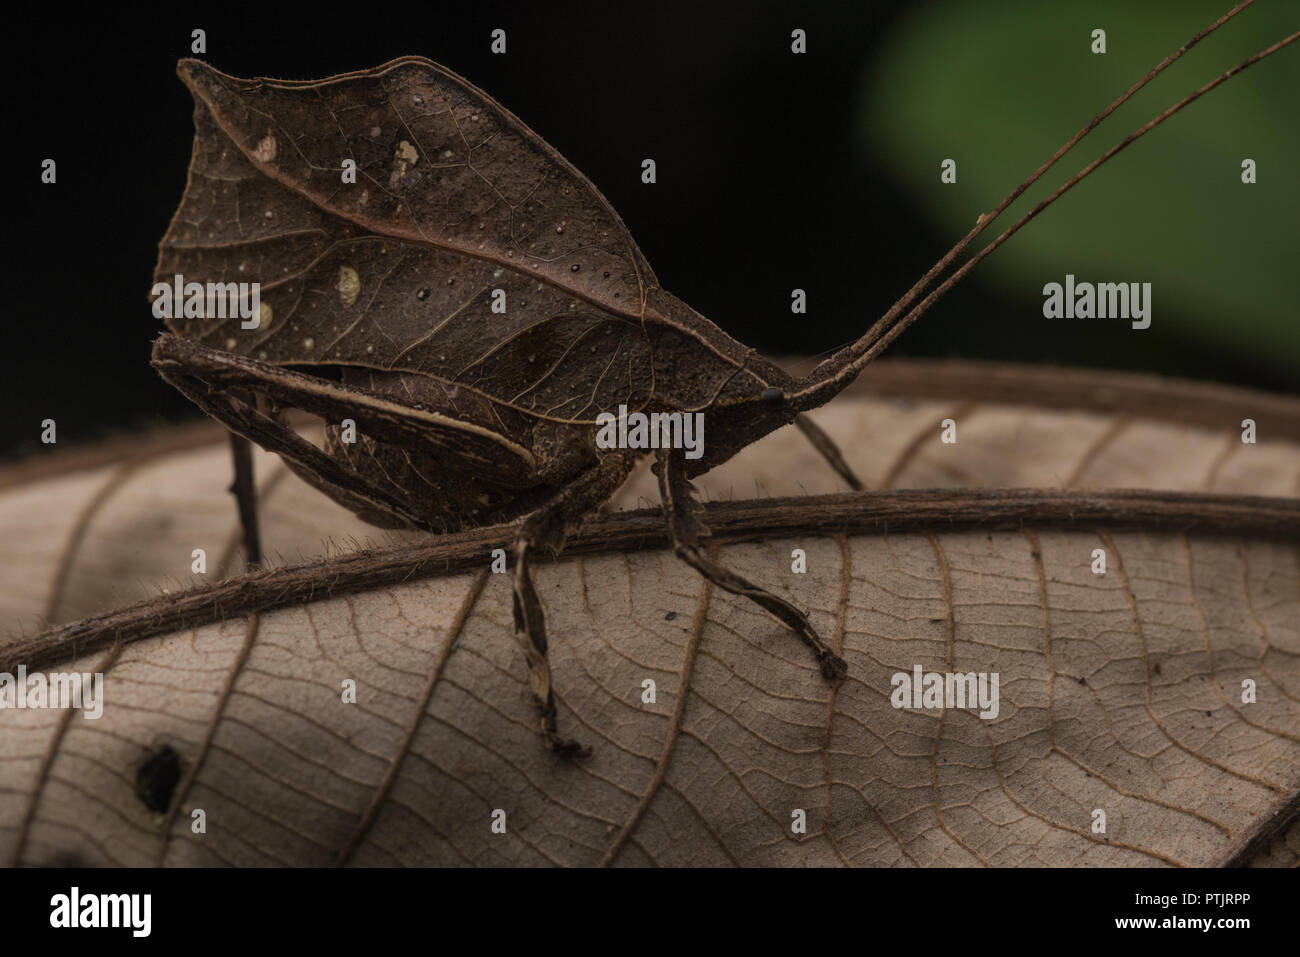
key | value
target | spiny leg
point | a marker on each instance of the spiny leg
(547, 528)
(685, 528)
(245, 492)
(824, 444)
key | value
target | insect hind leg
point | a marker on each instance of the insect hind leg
(235, 405)
(686, 529)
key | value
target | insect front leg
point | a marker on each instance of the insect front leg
(547, 528)
(686, 529)
(828, 450)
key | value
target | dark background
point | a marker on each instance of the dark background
(763, 180)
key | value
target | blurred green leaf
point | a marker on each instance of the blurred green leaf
(999, 87)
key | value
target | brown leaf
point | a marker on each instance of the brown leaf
(454, 198)
(1119, 692)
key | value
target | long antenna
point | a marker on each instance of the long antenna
(843, 367)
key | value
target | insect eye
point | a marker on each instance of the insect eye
(772, 396)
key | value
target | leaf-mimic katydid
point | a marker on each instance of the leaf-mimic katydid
(429, 268)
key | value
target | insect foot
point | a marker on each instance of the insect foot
(686, 529)
(530, 628)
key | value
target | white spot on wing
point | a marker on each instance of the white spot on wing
(266, 148)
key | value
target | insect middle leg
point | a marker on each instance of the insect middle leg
(686, 529)
(245, 492)
(547, 528)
